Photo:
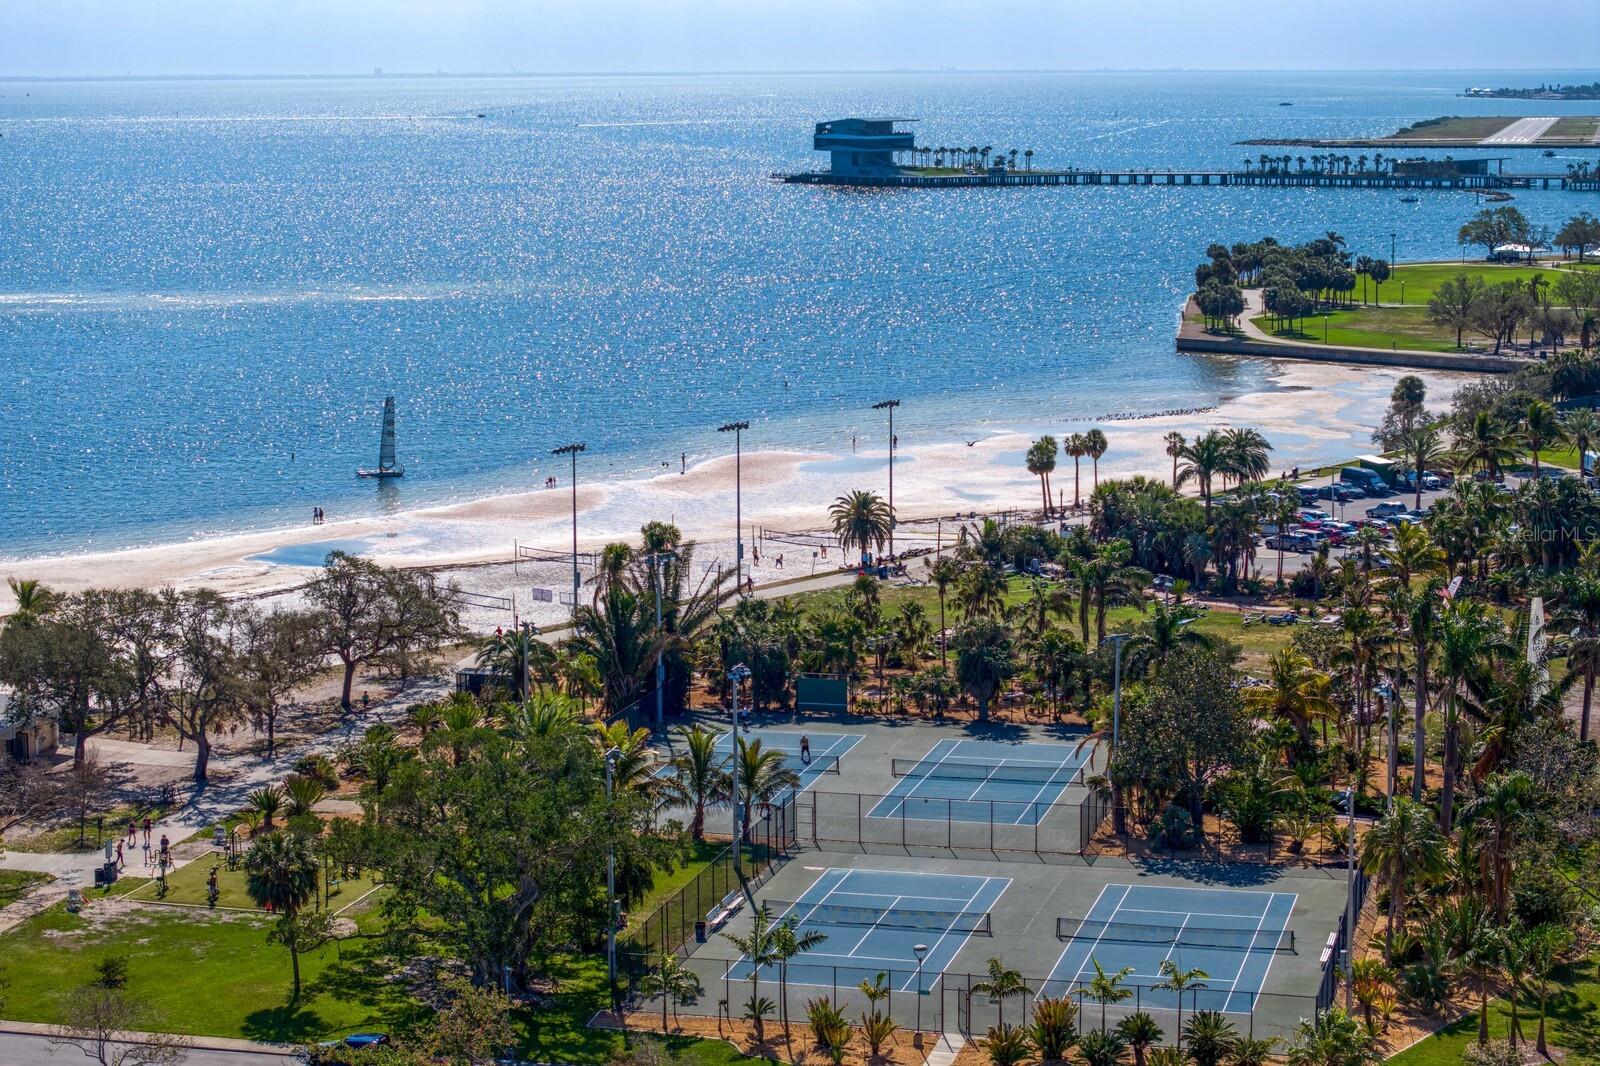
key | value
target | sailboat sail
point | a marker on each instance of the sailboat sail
(388, 465)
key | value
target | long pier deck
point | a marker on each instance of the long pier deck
(1589, 182)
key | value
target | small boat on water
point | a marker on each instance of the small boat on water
(1285, 103)
(387, 466)
(1549, 153)
(1408, 199)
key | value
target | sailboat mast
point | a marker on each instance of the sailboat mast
(386, 447)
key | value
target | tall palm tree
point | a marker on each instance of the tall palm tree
(788, 942)
(1540, 426)
(861, 519)
(1180, 981)
(1203, 459)
(1581, 426)
(762, 775)
(1546, 944)
(1077, 446)
(1174, 443)
(1107, 988)
(1578, 610)
(619, 631)
(1095, 445)
(762, 947)
(1246, 455)
(1402, 847)
(1001, 984)
(1041, 460)
(281, 875)
(1468, 636)
(1423, 447)
(943, 573)
(698, 778)
(1498, 809)
(981, 592)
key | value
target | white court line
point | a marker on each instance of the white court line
(1252, 950)
(1086, 959)
(933, 949)
(873, 928)
(1192, 914)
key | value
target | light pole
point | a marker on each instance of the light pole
(1350, 899)
(573, 450)
(1391, 250)
(1118, 817)
(890, 405)
(737, 429)
(921, 952)
(737, 675)
(611, 757)
(657, 561)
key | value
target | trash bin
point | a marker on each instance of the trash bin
(700, 932)
(883, 572)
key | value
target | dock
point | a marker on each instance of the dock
(1471, 182)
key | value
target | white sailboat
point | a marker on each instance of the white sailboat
(387, 466)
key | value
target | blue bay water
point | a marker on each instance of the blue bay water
(207, 288)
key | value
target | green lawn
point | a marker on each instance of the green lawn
(1574, 1023)
(667, 883)
(1469, 127)
(1396, 325)
(187, 884)
(1258, 641)
(202, 973)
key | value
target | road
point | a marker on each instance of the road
(17, 1049)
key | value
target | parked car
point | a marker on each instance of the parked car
(1381, 525)
(1384, 510)
(355, 1042)
(1311, 514)
(1308, 493)
(1287, 618)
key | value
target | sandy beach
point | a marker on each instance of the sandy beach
(1314, 413)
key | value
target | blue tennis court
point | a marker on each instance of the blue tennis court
(874, 919)
(983, 781)
(1232, 935)
(827, 750)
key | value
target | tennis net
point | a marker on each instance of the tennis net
(1202, 936)
(1040, 773)
(934, 921)
(818, 764)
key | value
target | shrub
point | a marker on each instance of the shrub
(1055, 1027)
(318, 768)
(1174, 831)
(1494, 1053)
(1006, 1045)
(111, 971)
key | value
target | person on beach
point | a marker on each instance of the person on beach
(683, 462)
(133, 833)
(366, 701)
(166, 848)
(120, 861)
(805, 749)
(147, 831)
(779, 561)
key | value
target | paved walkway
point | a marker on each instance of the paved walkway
(28, 1044)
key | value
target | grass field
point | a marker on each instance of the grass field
(187, 885)
(1258, 641)
(1574, 1023)
(1394, 325)
(67, 837)
(14, 884)
(1473, 127)
(1578, 127)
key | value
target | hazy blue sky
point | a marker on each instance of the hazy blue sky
(54, 37)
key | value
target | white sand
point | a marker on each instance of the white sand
(1316, 413)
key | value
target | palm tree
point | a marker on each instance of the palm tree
(267, 802)
(1175, 442)
(674, 982)
(1423, 447)
(943, 574)
(762, 947)
(1540, 426)
(1296, 692)
(1246, 458)
(1055, 1027)
(1578, 610)
(984, 660)
(1484, 443)
(982, 591)
(1140, 1031)
(1106, 988)
(1546, 944)
(1076, 446)
(1095, 445)
(1180, 981)
(1211, 1037)
(862, 520)
(762, 773)
(1498, 808)
(1202, 460)
(1253, 1051)
(634, 769)
(34, 600)
(1101, 1049)
(1468, 636)
(1002, 984)
(1402, 847)
(1041, 460)
(788, 942)
(1332, 1038)
(1581, 426)
(1167, 630)
(281, 875)
(698, 778)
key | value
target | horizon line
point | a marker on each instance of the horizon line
(378, 74)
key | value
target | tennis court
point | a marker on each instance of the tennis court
(875, 919)
(1232, 935)
(983, 781)
(827, 749)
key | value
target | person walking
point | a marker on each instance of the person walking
(147, 832)
(805, 750)
(121, 862)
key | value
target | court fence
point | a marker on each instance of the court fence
(1339, 943)
(994, 827)
(941, 1001)
(769, 839)
(1318, 844)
